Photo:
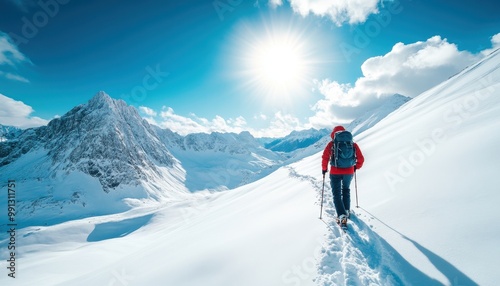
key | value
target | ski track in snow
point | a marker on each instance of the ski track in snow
(358, 257)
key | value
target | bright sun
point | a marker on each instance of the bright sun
(275, 61)
(278, 64)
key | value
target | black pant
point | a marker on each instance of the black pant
(341, 193)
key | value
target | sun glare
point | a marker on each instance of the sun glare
(278, 64)
(276, 61)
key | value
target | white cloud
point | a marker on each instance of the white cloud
(413, 68)
(148, 111)
(260, 116)
(11, 56)
(237, 122)
(338, 107)
(495, 40)
(339, 11)
(495, 44)
(177, 123)
(408, 69)
(337, 93)
(275, 3)
(16, 113)
(193, 124)
(279, 124)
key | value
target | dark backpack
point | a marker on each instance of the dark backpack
(343, 153)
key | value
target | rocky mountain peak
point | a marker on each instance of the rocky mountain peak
(102, 101)
(104, 138)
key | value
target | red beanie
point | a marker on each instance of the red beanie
(337, 129)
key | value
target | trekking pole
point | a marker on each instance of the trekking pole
(356, 186)
(322, 191)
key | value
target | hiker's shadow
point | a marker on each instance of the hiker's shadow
(382, 256)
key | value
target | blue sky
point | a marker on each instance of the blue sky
(268, 67)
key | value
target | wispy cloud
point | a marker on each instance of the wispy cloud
(11, 56)
(339, 11)
(16, 113)
(12, 76)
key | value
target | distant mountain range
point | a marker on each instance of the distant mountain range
(103, 152)
(297, 140)
(219, 161)
(8, 132)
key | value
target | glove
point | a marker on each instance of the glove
(324, 172)
(356, 168)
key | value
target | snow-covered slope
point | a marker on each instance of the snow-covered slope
(253, 235)
(430, 175)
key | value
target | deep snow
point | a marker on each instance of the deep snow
(428, 214)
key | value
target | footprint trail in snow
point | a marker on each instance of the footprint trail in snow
(357, 257)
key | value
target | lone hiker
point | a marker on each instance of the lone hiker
(345, 158)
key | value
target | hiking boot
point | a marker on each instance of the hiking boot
(343, 219)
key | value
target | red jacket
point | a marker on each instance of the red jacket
(327, 153)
